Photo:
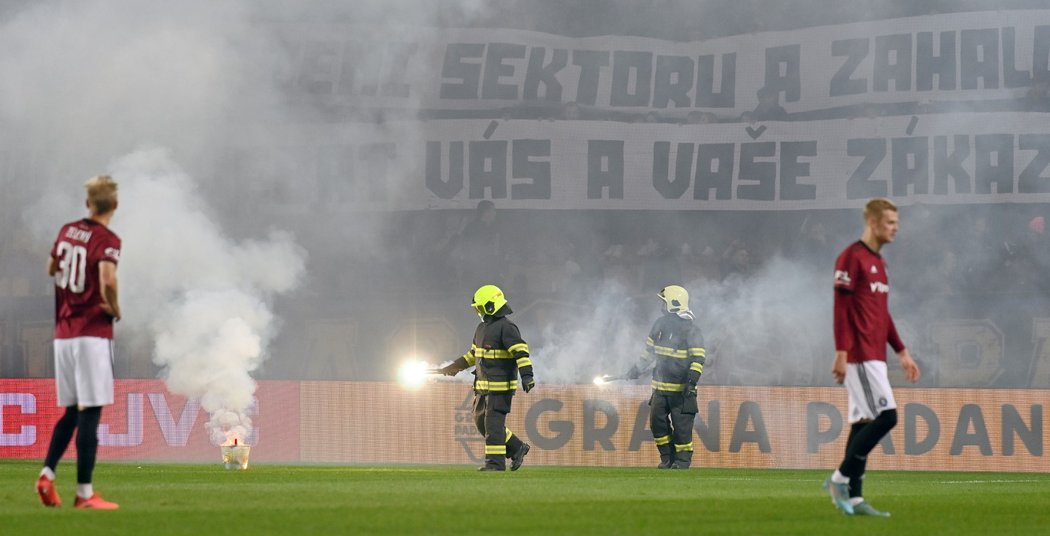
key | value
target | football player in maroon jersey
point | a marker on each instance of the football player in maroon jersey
(84, 265)
(863, 327)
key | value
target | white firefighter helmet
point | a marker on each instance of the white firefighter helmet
(676, 298)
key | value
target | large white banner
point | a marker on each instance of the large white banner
(452, 164)
(961, 56)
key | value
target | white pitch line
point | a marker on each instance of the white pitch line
(751, 479)
(992, 481)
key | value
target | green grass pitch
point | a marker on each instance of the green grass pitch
(206, 500)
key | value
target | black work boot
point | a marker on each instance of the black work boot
(666, 456)
(519, 457)
(494, 462)
(682, 460)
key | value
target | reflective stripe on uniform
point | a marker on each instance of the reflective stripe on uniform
(491, 354)
(688, 447)
(496, 449)
(524, 362)
(672, 387)
(699, 367)
(469, 356)
(697, 352)
(670, 352)
(662, 440)
(509, 434)
(520, 347)
(485, 385)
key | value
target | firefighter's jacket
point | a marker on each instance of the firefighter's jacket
(675, 350)
(498, 355)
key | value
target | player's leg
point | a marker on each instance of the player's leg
(857, 451)
(855, 483)
(682, 434)
(94, 389)
(660, 423)
(62, 434)
(872, 405)
(864, 442)
(496, 431)
(60, 438)
(87, 449)
(858, 411)
(872, 400)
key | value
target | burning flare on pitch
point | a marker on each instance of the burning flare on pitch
(413, 373)
(235, 453)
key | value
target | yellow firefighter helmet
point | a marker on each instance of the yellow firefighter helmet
(675, 297)
(488, 299)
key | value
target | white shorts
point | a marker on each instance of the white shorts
(84, 371)
(869, 390)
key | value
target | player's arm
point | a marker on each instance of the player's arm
(911, 369)
(52, 262)
(519, 350)
(843, 334)
(845, 276)
(107, 274)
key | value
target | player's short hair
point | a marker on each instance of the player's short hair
(877, 206)
(101, 193)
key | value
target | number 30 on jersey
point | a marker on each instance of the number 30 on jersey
(72, 267)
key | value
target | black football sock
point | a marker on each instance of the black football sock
(864, 441)
(60, 437)
(87, 442)
(855, 482)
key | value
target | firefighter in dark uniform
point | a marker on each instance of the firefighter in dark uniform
(499, 356)
(675, 351)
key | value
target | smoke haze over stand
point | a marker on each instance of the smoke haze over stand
(170, 76)
(200, 81)
(82, 83)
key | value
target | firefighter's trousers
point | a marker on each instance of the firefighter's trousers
(672, 427)
(490, 416)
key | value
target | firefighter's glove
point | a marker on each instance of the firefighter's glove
(450, 369)
(527, 383)
(689, 405)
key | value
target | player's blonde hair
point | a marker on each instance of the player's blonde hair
(877, 206)
(101, 193)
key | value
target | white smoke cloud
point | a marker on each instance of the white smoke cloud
(84, 82)
(770, 328)
(203, 298)
(603, 337)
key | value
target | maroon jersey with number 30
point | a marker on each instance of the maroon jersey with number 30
(78, 250)
(863, 324)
